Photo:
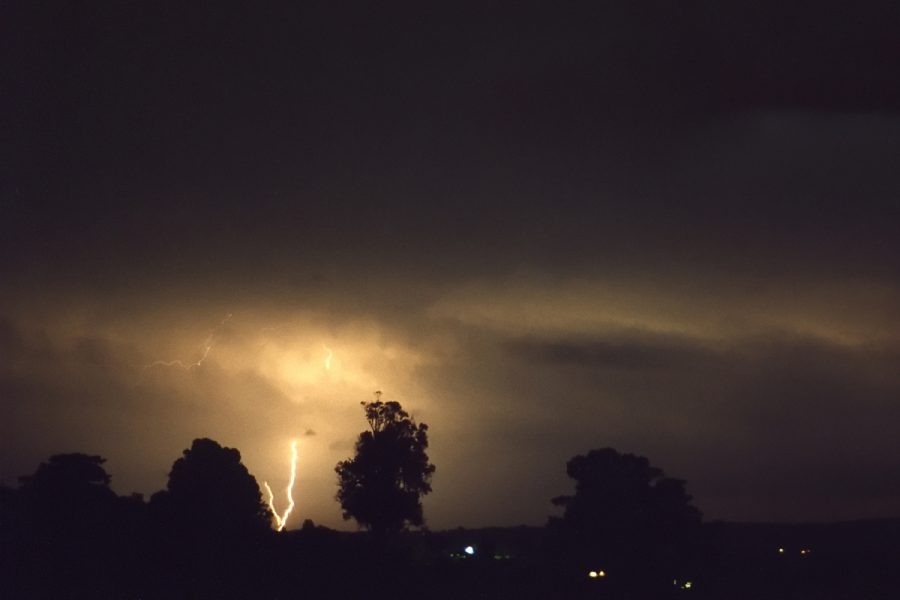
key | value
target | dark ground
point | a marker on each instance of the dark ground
(851, 560)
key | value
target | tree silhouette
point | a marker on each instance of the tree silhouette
(71, 473)
(381, 487)
(625, 511)
(211, 492)
(66, 521)
(210, 526)
(69, 495)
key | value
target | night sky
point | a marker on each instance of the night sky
(672, 228)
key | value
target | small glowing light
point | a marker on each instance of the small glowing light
(593, 574)
(469, 550)
(688, 585)
(781, 551)
(805, 551)
(601, 573)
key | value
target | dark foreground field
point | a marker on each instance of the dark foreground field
(853, 560)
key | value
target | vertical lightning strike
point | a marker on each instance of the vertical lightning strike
(279, 525)
(328, 358)
(281, 520)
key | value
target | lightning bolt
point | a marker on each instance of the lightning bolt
(281, 520)
(328, 358)
(207, 347)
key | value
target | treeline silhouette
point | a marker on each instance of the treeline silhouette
(627, 531)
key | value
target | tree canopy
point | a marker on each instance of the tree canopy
(210, 489)
(624, 507)
(382, 485)
(73, 475)
(68, 492)
(65, 520)
(614, 490)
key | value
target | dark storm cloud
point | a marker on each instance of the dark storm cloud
(801, 423)
(402, 128)
(616, 352)
(809, 421)
(671, 228)
(816, 422)
(778, 383)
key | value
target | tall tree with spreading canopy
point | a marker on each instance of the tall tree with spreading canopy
(382, 486)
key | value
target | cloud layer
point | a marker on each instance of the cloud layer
(671, 230)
